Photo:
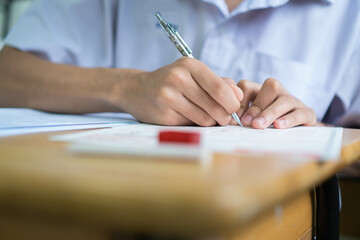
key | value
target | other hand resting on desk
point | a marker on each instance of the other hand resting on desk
(270, 103)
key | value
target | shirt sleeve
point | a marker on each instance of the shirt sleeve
(77, 32)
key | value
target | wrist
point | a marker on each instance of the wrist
(122, 83)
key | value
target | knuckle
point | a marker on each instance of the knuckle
(219, 90)
(244, 84)
(174, 75)
(177, 77)
(186, 61)
(255, 108)
(273, 83)
(182, 81)
(166, 97)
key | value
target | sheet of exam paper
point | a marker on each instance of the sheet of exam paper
(323, 143)
(17, 121)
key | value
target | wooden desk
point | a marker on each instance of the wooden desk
(47, 193)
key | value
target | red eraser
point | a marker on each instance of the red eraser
(184, 137)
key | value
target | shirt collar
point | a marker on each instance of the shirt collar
(248, 5)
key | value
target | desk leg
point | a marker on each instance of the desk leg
(327, 210)
(350, 209)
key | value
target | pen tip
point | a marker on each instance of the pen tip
(237, 119)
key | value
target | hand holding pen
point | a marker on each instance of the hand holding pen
(183, 48)
(185, 92)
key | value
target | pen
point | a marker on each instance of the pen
(182, 46)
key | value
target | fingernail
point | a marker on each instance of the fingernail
(247, 119)
(260, 120)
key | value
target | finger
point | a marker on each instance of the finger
(191, 111)
(238, 92)
(301, 116)
(250, 91)
(233, 122)
(282, 105)
(193, 92)
(217, 88)
(267, 95)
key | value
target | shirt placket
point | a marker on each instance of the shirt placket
(221, 50)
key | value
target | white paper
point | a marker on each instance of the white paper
(323, 143)
(16, 121)
(31, 130)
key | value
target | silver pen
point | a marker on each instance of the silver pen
(182, 46)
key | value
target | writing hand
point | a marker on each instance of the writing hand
(270, 103)
(182, 93)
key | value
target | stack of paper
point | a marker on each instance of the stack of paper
(323, 143)
(15, 121)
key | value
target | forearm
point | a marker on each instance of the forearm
(28, 81)
(182, 93)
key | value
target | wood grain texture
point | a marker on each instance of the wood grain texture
(166, 198)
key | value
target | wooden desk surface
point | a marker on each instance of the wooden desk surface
(38, 177)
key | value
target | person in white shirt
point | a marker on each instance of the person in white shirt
(300, 59)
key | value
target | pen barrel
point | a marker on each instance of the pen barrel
(188, 51)
(181, 47)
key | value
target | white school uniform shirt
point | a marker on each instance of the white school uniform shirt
(311, 46)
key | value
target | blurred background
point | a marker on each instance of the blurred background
(10, 11)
